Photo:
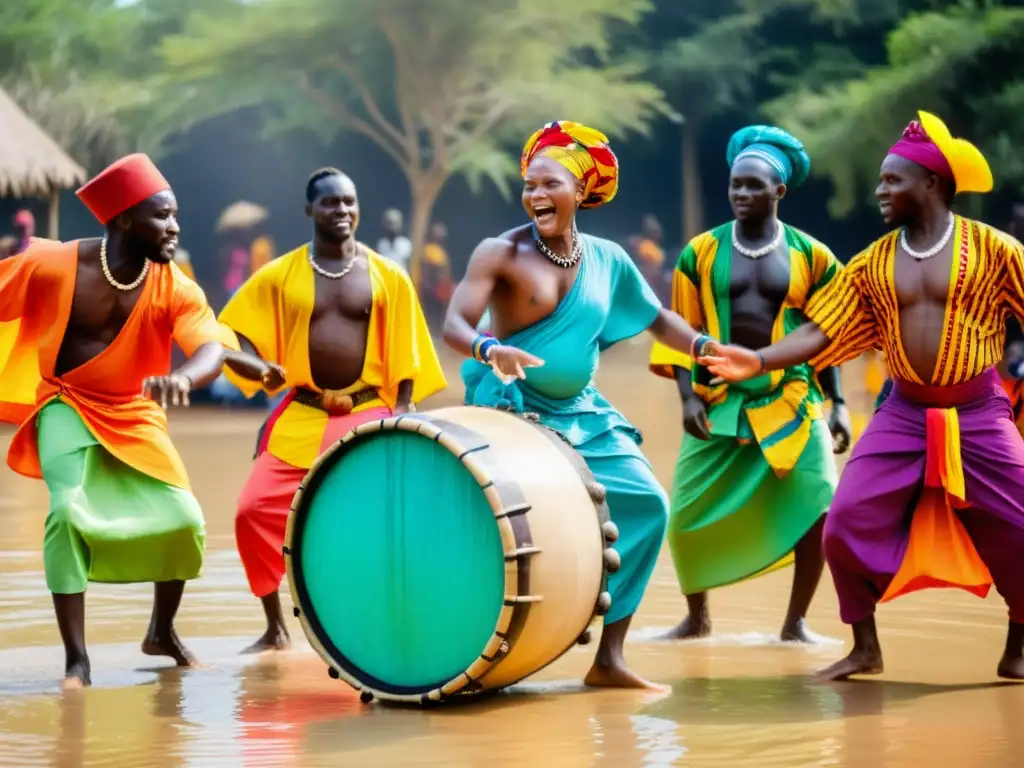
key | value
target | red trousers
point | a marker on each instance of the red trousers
(266, 501)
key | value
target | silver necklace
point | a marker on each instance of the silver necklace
(330, 275)
(565, 262)
(922, 255)
(759, 252)
(110, 277)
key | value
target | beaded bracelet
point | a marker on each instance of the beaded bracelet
(481, 347)
(697, 348)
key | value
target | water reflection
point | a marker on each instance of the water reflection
(738, 699)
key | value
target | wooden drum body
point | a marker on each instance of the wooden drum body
(447, 552)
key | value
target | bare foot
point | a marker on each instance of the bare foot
(77, 675)
(276, 639)
(1011, 667)
(154, 645)
(859, 662)
(797, 632)
(689, 629)
(619, 676)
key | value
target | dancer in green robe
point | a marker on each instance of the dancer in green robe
(756, 473)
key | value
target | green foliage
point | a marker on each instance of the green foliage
(442, 86)
(83, 69)
(957, 62)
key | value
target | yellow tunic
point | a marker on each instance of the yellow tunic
(859, 310)
(272, 309)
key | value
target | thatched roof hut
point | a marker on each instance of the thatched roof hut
(31, 163)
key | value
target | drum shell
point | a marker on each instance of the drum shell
(550, 528)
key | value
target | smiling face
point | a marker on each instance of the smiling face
(754, 189)
(335, 208)
(151, 227)
(903, 189)
(551, 195)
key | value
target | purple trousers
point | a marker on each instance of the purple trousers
(868, 524)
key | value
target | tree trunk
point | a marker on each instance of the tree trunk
(693, 192)
(424, 192)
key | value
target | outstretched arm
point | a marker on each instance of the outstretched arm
(472, 295)
(204, 366)
(672, 331)
(805, 343)
(249, 365)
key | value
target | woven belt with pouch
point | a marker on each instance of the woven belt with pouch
(333, 401)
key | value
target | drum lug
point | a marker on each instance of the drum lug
(604, 603)
(584, 638)
(522, 552)
(612, 560)
(296, 612)
(521, 599)
(610, 531)
(598, 493)
(365, 696)
(333, 673)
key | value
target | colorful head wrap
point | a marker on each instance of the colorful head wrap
(781, 150)
(121, 186)
(584, 152)
(930, 145)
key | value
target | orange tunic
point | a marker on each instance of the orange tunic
(36, 292)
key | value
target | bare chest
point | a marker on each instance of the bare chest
(767, 278)
(98, 310)
(350, 297)
(535, 290)
(925, 281)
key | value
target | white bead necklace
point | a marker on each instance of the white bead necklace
(110, 277)
(565, 262)
(330, 275)
(751, 253)
(922, 255)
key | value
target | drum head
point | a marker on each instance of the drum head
(397, 561)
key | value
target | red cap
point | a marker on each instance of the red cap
(122, 185)
(25, 218)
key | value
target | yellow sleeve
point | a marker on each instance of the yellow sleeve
(252, 313)
(407, 350)
(841, 310)
(825, 267)
(194, 323)
(686, 303)
(1013, 261)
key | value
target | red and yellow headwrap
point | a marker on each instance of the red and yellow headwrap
(584, 152)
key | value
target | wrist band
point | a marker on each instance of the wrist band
(697, 348)
(764, 363)
(481, 346)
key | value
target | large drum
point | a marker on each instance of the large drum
(448, 552)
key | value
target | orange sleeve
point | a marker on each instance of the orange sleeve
(193, 321)
(15, 272)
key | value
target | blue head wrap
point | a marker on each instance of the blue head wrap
(782, 151)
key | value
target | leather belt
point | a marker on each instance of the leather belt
(334, 402)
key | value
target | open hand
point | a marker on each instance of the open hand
(842, 431)
(731, 363)
(273, 378)
(510, 362)
(173, 389)
(695, 418)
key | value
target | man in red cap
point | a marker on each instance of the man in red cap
(931, 496)
(97, 318)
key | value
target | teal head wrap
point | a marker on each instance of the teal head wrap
(782, 151)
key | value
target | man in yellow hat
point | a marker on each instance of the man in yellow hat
(942, 452)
